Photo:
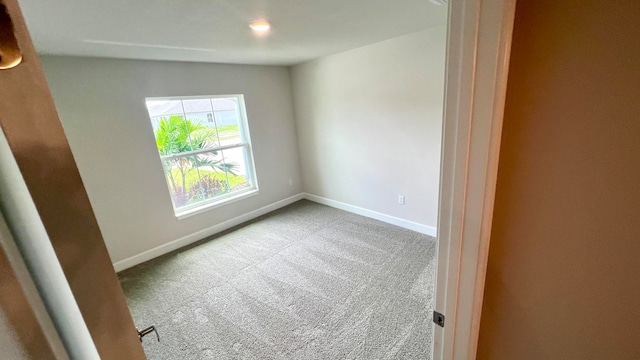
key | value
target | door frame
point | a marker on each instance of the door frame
(43, 185)
(478, 49)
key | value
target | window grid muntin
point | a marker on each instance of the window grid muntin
(244, 136)
(219, 198)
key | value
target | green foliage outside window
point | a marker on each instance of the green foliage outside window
(197, 177)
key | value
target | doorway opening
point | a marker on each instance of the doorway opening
(53, 67)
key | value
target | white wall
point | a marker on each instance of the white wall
(101, 106)
(369, 125)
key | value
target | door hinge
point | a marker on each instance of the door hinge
(438, 318)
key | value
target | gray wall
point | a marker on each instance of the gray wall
(369, 124)
(101, 106)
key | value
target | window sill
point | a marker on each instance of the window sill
(200, 209)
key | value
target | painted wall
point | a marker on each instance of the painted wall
(101, 106)
(564, 262)
(369, 125)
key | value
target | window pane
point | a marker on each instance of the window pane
(159, 109)
(234, 159)
(182, 174)
(183, 126)
(202, 134)
(164, 109)
(227, 117)
(213, 176)
(196, 106)
(172, 135)
(176, 135)
(199, 113)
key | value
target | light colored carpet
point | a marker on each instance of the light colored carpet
(304, 282)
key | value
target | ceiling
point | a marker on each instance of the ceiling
(218, 31)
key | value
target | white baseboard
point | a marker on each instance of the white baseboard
(199, 235)
(421, 228)
(212, 230)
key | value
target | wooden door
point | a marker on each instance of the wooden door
(35, 135)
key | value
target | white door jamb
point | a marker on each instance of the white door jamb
(478, 48)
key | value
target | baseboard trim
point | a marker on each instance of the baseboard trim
(411, 225)
(199, 235)
(212, 230)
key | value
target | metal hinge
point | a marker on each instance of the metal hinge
(438, 318)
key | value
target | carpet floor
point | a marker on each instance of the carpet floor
(304, 282)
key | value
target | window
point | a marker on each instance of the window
(205, 149)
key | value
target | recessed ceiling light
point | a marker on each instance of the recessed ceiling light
(260, 26)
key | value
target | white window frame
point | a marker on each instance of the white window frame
(245, 143)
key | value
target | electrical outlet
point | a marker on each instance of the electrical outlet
(401, 199)
(290, 182)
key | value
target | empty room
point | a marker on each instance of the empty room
(255, 179)
(265, 175)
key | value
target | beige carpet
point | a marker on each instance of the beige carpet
(304, 282)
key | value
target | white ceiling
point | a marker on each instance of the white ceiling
(217, 30)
